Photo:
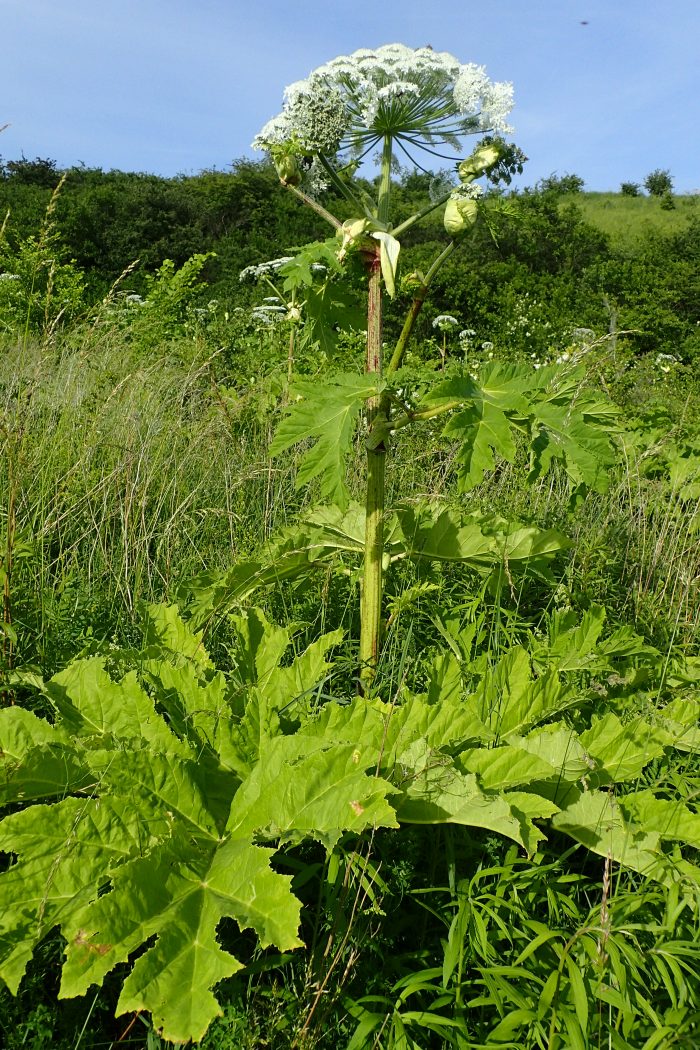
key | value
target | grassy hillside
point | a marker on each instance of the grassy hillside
(629, 219)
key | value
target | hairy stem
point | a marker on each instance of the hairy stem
(416, 307)
(377, 413)
(371, 606)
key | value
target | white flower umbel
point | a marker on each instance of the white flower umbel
(264, 269)
(445, 322)
(418, 97)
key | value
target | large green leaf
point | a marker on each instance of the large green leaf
(509, 700)
(560, 747)
(596, 820)
(36, 760)
(330, 308)
(435, 792)
(310, 789)
(383, 733)
(483, 429)
(507, 766)
(66, 853)
(480, 540)
(90, 703)
(578, 434)
(197, 706)
(325, 413)
(681, 717)
(181, 900)
(563, 420)
(668, 818)
(482, 426)
(621, 751)
(273, 690)
(166, 629)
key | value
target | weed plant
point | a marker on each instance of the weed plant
(134, 458)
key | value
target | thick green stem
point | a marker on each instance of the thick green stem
(416, 307)
(371, 606)
(384, 430)
(290, 353)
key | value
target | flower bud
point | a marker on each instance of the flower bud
(350, 234)
(411, 282)
(460, 214)
(288, 169)
(483, 158)
(353, 228)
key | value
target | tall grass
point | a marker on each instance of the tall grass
(123, 475)
(124, 472)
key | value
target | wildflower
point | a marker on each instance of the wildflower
(445, 322)
(583, 335)
(664, 362)
(268, 315)
(254, 273)
(418, 96)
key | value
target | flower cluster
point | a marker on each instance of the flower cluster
(417, 96)
(264, 269)
(665, 362)
(268, 315)
(445, 322)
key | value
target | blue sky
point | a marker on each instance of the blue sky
(175, 86)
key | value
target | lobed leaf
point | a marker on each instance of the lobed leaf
(621, 752)
(90, 703)
(596, 820)
(181, 901)
(325, 413)
(303, 789)
(509, 700)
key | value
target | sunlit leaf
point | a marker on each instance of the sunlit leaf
(325, 413)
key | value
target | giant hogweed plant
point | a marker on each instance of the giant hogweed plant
(401, 101)
(150, 805)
